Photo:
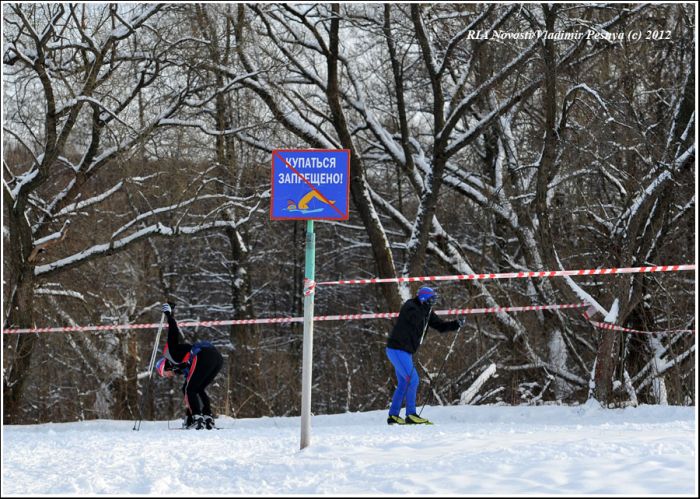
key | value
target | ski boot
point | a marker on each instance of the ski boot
(199, 422)
(395, 420)
(209, 422)
(416, 419)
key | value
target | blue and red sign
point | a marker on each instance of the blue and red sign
(310, 184)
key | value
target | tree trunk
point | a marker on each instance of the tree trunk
(358, 184)
(245, 362)
(18, 359)
(606, 358)
(20, 313)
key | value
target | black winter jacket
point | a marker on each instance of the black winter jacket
(176, 351)
(414, 319)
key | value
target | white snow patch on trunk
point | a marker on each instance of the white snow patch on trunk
(469, 394)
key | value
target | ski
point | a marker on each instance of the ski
(203, 429)
(415, 420)
(182, 427)
(427, 423)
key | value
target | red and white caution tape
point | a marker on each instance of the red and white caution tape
(122, 327)
(495, 310)
(68, 329)
(281, 320)
(590, 312)
(514, 275)
(309, 286)
(615, 327)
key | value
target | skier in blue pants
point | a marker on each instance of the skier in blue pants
(407, 383)
(406, 337)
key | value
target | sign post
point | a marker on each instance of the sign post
(309, 184)
(308, 346)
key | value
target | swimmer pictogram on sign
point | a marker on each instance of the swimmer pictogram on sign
(310, 184)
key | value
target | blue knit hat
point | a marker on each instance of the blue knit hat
(426, 294)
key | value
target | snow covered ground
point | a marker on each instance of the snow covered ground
(471, 450)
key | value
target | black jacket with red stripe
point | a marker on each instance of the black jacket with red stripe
(180, 354)
(177, 352)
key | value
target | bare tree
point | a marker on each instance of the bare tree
(78, 61)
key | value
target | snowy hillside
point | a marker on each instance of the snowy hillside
(471, 450)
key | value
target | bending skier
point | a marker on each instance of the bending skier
(199, 364)
(406, 337)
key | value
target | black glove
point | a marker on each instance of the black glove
(461, 321)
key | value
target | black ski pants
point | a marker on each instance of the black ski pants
(205, 366)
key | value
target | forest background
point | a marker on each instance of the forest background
(137, 143)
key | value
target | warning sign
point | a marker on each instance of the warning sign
(310, 184)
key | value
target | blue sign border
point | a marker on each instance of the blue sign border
(275, 208)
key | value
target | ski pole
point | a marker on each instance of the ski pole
(137, 424)
(441, 367)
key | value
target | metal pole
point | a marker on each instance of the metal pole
(137, 424)
(307, 356)
(439, 372)
(155, 347)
